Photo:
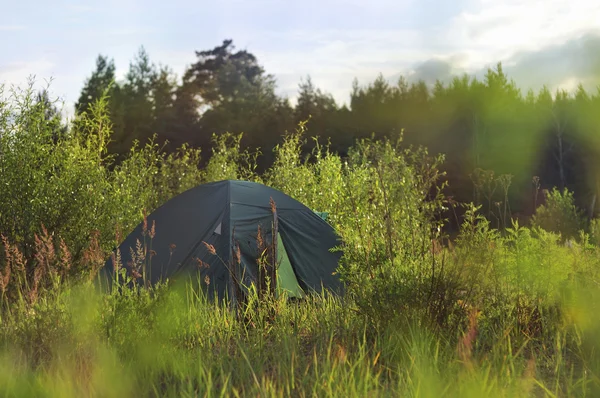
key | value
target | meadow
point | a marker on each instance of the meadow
(497, 308)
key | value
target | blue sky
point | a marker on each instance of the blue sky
(334, 41)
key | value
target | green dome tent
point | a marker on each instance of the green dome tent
(211, 232)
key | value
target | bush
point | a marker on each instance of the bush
(383, 201)
(57, 181)
(63, 180)
(559, 214)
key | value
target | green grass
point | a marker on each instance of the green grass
(172, 342)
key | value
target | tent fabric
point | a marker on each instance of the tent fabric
(226, 213)
(323, 215)
(287, 283)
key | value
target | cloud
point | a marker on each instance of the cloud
(469, 38)
(11, 28)
(432, 70)
(334, 57)
(575, 60)
(489, 30)
(559, 66)
(19, 72)
(81, 8)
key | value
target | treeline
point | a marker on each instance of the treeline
(501, 145)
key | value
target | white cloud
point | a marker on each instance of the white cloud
(569, 84)
(11, 28)
(483, 33)
(334, 57)
(80, 8)
(492, 31)
(19, 72)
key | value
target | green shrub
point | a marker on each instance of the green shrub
(559, 214)
(229, 161)
(594, 230)
(380, 202)
(59, 182)
(70, 184)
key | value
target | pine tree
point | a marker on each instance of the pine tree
(97, 83)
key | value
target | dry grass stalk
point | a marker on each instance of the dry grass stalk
(201, 264)
(138, 258)
(65, 257)
(44, 250)
(93, 255)
(210, 248)
(465, 345)
(5, 275)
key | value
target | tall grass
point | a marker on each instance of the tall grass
(502, 309)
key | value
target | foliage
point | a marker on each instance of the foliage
(229, 161)
(173, 342)
(559, 214)
(507, 311)
(95, 86)
(383, 201)
(477, 123)
(57, 182)
(69, 184)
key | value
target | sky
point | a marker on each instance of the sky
(552, 42)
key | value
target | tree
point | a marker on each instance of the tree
(325, 118)
(51, 115)
(255, 111)
(163, 89)
(228, 91)
(185, 126)
(101, 82)
(219, 74)
(137, 100)
(97, 83)
(313, 103)
(147, 99)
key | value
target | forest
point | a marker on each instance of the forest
(468, 214)
(479, 126)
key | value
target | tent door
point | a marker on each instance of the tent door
(286, 278)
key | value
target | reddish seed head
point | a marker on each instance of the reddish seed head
(145, 225)
(210, 248)
(153, 229)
